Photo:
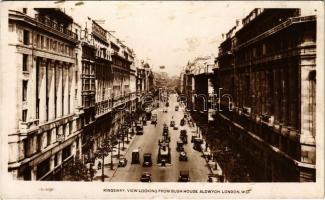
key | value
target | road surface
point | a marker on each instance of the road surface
(148, 143)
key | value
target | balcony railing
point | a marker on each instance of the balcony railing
(54, 26)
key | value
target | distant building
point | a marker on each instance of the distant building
(267, 66)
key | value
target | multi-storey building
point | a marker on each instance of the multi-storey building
(42, 130)
(268, 68)
(76, 84)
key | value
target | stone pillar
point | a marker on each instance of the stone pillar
(31, 93)
(72, 88)
(51, 88)
(59, 157)
(307, 138)
(42, 90)
(59, 89)
(34, 173)
(52, 162)
(53, 135)
(66, 88)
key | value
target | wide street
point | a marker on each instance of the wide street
(148, 143)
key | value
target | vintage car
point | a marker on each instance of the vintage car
(145, 177)
(122, 162)
(147, 161)
(183, 156)
(179, 146)
(182, 123)
(197, 144)
(172, 123)
(139, 129)
(176, 108)
(184, 176)
(154, 119)
(135, 156)
(183, 136)
(175, 127)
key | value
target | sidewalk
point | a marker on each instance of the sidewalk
(214, 166)
(108, 173)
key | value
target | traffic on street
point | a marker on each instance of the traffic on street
(164, 153)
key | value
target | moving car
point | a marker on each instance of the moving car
(147, 161)
(164, 155)
(183, 156)
(183, 136)
(122, 162)
(135, 156)
(182, 123)
(184, 176)
(179, 146)
(172, 123)
(154, 119)
(145, 177)
(139, 129)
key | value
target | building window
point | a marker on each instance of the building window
(39, 142)
(26, 37)
(42, 42)
(25, 10)
(47, 43)
(25, 83)
(66, 152)
(43, 168)
(25, 62)
(24, 116)
(48, 137)
(70, 128)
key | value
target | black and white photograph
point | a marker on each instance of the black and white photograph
(162, 99)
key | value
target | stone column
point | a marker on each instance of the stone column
(31, 93)
(66, 89)
(59, 89)
(307, 139)
(34, 173)
(42, 90)
(52, 162)
(51, 88)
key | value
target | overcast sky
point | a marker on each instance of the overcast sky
(168, 33)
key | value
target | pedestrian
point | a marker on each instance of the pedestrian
(99, 165)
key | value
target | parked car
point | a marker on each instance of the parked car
(184, 176)
(147, 161)
(145, 177)
(122, 162)
(183, 156)
(172, 123)
(176, 108)
(212, 178)
(175, 127)
(197, 144)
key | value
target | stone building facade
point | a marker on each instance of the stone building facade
(71, 85)
(43, 132)
(267, 66)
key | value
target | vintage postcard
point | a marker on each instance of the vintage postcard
(162, 99)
